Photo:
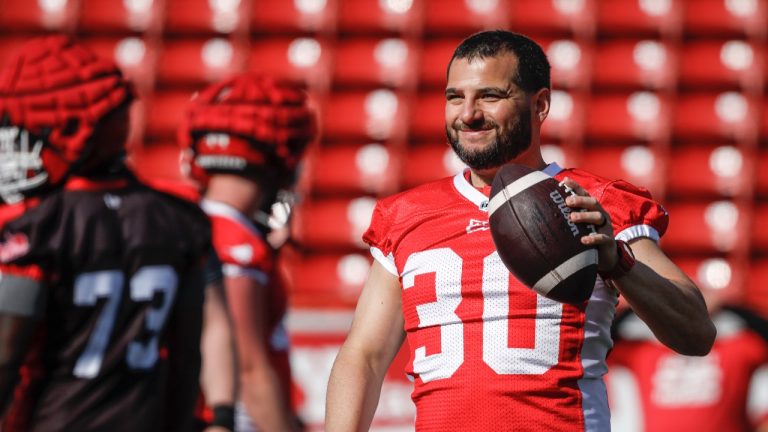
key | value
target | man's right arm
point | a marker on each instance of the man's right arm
(374, 340)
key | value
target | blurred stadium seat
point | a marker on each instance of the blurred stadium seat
(725, 18)
(565, 122)
(628, 116)
(196, 17)
(375, 62)
(759, 231)
(195, 62)
(136, 56)
(726, 275)
(434, 58)
(633, 64)
(637, 164)
(121, 16)
(756, 293)
(707, 227)
(324, 279)
(722, 64)
(351, 170)
(571, 61)
(761, 174)
(381, 17)
(305, 59)
(165, 111)
(293, 16)
(732, 116)
(639, 18)
(451, 17)
(710, 171)
(332, 224)
(379, 115)
(554, 17)
(38, 16)
(428, 162)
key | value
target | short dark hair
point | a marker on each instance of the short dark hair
(532, 67)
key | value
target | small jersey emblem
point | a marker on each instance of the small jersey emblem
(13, 246)
(477, 225)
(112, 201)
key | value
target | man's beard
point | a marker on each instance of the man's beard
(505, 148)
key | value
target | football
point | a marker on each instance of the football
(531, 228)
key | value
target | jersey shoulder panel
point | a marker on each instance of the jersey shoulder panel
(394, 215)
(238, 241)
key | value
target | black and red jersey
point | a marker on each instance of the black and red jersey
(121, 264)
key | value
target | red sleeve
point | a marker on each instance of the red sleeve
(633, 211)
(241, 249)
(379, 237)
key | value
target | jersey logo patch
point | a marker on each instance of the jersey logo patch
(242, 253)
(477, 225)
(14, 246)
(112, 201)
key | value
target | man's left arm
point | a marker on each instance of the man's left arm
(658, 291)
(22, 302)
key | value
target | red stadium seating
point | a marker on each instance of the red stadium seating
(165, 110)
(379, 115)
(381, 17)
(137, 57)
(729, 64)
(388, 62)
(428, 122)
(635, 64)
(761, 174)
(351, 169)
(565, 120)
(707, 227)
(464, 16)
(756, 295)
(702, 170)
(639, 18)
(716, 116)
(293, 17)
(305, 59)
(571, 62)
(325, 279)
(637, 116)
(724, 278)
(197, 62)
(121, 16)
(759, 231)
(332, 224)
(725, 18)
(206, 16)
(429, 162)
(435, 55)
(10, 46)
(640, 165)
(553, 17)
(38, 16)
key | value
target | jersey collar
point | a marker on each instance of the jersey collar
(471, 193)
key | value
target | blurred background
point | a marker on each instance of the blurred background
(668, 94)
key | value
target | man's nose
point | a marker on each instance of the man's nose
(470, 114)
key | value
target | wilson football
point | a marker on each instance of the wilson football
(535, 237)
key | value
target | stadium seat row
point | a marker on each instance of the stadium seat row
(407, 17)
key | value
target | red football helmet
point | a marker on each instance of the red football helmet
(53, 94)
(247, 124)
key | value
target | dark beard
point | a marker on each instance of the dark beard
(506, 147)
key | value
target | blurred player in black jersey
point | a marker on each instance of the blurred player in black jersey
(101, 286)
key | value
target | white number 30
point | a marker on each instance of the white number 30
(447, 267)
(108, 284)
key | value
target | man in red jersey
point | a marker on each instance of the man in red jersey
(652, 388)
(245, 136)
(487, 353)
(101, 285)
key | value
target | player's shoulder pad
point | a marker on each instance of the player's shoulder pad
(236, 239)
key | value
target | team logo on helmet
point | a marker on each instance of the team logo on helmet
(21, 163)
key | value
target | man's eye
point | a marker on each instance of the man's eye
(491, 97)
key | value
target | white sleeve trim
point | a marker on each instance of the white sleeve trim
(387, 261)
(233, 270)
(637, 231)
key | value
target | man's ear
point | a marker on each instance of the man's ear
(541, 101)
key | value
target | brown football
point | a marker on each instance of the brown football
(535, 237)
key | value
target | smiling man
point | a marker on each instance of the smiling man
(488, 353)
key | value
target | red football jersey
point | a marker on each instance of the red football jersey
(488, 353)
(244, 252)
(655, 389)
